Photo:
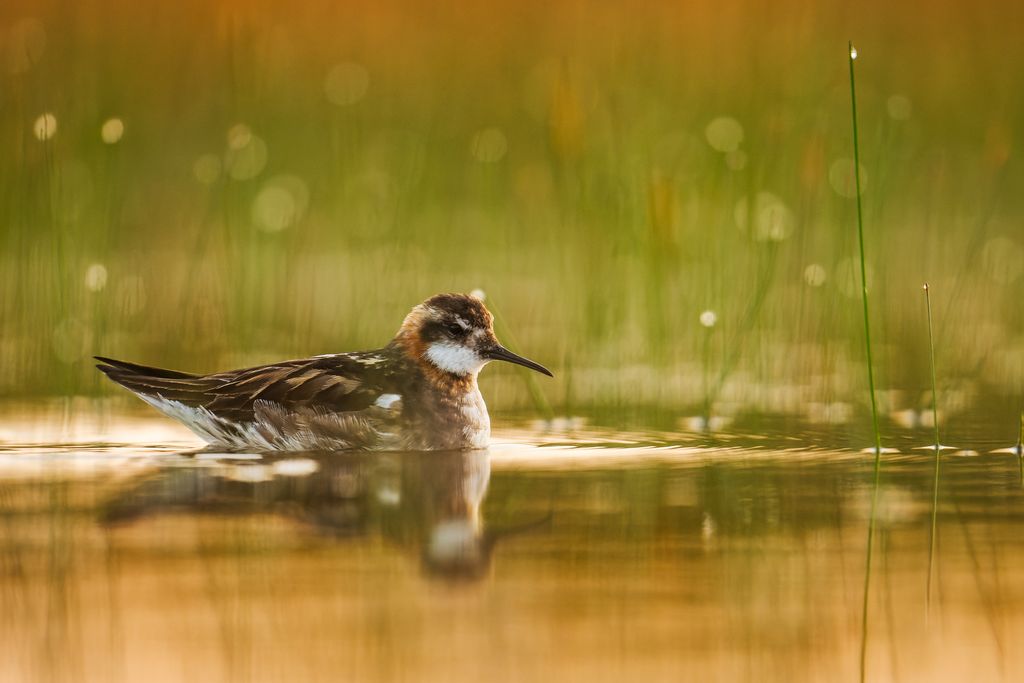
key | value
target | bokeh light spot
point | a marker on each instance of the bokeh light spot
(248, 160)
(815, 275)
(281, 202)
(724, 134)
(274, 209)
(45, 127)
(95, 277)
(239, 135)
(708, 318)
(773, 220)
(112, 130)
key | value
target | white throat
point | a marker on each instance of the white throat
(455, 358)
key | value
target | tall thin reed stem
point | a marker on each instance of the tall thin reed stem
(863, 261)
(852, 54)
(938, 451)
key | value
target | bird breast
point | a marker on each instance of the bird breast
(476, 426)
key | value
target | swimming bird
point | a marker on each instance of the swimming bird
(419, 392)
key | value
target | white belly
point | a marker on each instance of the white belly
(276, 428)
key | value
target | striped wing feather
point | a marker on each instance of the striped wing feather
(338, 383)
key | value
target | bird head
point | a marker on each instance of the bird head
(454, 334)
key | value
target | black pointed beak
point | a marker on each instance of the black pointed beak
(501, 353)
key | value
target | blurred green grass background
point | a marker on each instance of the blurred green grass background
(217, 184)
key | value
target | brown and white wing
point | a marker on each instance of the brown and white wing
(324, 402)
(339, 383)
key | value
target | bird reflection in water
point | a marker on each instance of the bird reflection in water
(426, 503)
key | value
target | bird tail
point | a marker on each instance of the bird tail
(148, 381)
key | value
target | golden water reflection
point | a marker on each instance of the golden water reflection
(598, 559)
(426, 505)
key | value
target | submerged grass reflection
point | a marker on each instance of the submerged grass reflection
(938, 453)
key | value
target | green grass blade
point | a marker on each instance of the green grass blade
(863, 262)
(852, 54)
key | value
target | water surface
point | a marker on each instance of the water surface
(127, 555)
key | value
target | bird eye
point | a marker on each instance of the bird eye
(454, 329)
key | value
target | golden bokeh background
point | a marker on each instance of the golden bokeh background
(214, 184)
